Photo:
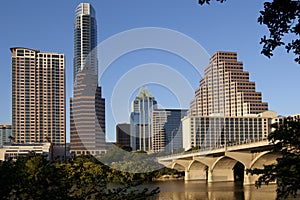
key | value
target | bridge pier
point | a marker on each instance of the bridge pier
(192, 175)
(220, 175)
(249, 179)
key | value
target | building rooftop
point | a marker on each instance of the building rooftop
(144, 93)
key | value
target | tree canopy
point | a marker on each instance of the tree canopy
(34, 177)
(286, 172)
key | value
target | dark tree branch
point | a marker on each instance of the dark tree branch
(201, 2)
(282, 19)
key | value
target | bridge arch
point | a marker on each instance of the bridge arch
(196, 165)
(224, 162)
(264, 158)
(178, 166)
(196, 170)
(224, 169)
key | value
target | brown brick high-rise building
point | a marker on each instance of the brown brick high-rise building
(38, 96)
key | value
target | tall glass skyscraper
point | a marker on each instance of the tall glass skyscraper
(141, 120)
(85, 39)
(87, 107)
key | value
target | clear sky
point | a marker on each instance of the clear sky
(231, 26)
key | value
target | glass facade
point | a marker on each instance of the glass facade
(5, 133)
(87, 107)
(141, 121)
(167, 129)
(219, 131)
(85, 39)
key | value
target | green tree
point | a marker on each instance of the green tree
(282, 18)
(286, 172)
(33, 177)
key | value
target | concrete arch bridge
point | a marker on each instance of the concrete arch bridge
(223, 164)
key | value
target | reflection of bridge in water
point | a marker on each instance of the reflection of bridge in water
(228, 163)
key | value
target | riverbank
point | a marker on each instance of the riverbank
(169, 178)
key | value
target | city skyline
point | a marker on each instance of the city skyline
(234, 29)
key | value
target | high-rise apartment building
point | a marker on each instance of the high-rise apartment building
(38, 96)
(226, 108)
(5, 134)
(141, 120)
(167, 129)
(87, 107)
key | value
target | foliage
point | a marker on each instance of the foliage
(282, 18)
(286, 172)
(33, 177)
(201, 2)
(133, 162)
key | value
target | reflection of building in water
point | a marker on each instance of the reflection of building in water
(178, 190)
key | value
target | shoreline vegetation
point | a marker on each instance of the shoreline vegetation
(85, 177)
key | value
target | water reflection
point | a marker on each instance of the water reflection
(194, 190)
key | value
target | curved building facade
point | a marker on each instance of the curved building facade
(85, 39)
(87, 107)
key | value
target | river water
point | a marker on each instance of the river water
(198, 190)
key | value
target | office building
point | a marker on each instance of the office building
(167, 129)
(5, 134)
(123, 134)
(13, 151)
(225, 89)
(87, 116)
(141, 120)
(226, 108)
(87, 107)
(218, 131)
(38, 97)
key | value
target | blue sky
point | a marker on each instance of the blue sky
(231, 26)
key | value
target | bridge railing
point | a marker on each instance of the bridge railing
(202, 149)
